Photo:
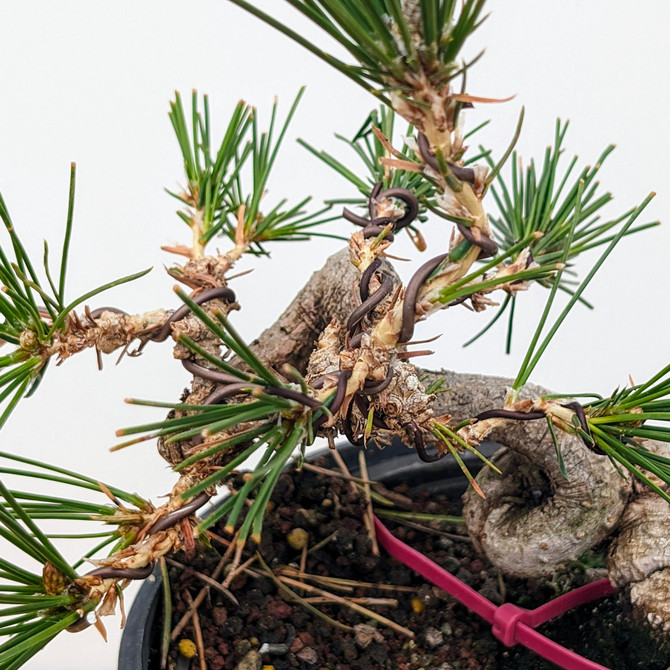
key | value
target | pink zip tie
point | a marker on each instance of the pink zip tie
(511, 624)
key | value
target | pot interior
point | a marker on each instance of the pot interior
(393, 465)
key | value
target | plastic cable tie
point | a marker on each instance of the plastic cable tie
(505, 619)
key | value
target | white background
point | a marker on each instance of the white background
(89, 81)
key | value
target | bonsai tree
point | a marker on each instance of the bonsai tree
(341, 362)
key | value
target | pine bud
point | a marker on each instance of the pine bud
(54, 580)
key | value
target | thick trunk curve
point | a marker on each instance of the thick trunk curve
(329, 294)
(639, 556)
(532, 519)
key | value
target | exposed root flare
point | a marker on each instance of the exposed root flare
(532, 522)
(639, 557)
(533, 519)
(650, 599)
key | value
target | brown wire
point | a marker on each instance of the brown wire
(364, 289)
(211, 375)
(97, 313)
(587, 438)
(174, 517)
(368, 305)
(109, 572)
(463, 173)
(420, 446)
(219, 292)
(349, 430)
(475, 236)
(411, 293)
(374, 386)
(510, 414)
(411, 205)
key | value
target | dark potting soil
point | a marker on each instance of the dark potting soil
(446, 635)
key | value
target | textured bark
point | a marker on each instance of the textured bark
(330, 293)
(532, 519)
(640, 555)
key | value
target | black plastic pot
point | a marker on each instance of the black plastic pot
(393, 465)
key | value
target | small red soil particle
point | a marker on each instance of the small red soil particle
(219, 615)
(279, 608)
(459, 639)
(297, 645)
(476, 566)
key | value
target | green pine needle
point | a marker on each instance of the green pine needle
(216, 192)
(47, 472)
(228, 336)
(37, 629)
(370, 151)
(31, 613)
(32, 311)
(388, 43)
(541, 200)
(535, 350)
(546, 199)
(208, 170)
(622, 422)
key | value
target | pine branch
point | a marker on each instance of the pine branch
(619, 425)
(35, 314)
(391, 44)
(34, 608)
(218, 201)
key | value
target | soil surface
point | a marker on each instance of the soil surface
(268, 630)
